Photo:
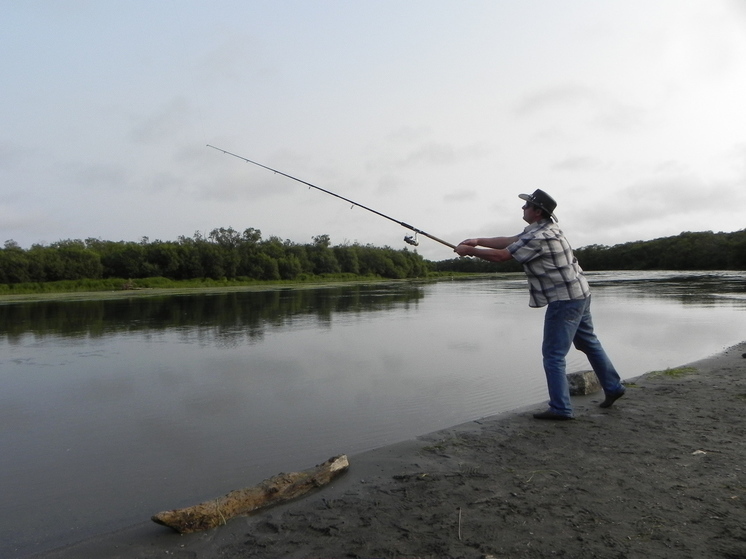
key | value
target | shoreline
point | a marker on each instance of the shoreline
(662, 473)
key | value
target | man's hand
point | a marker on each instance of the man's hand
(472, 247)
(464, 248)
(486, 248)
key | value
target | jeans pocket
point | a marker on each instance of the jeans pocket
(569, 312)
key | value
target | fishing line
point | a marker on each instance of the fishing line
(409, 239)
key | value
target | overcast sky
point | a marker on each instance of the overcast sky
(438, 113)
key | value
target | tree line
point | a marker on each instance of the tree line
(686, 251)
(224, 253)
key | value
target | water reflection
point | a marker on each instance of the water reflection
(693, 288)
(249, 313)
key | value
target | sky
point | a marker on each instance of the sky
(437, 113)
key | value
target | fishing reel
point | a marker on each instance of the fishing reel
(411, 240)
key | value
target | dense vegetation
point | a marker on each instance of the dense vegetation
(687, 251)
(228, 255)
(225, 254)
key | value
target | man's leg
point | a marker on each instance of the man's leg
(560, 324)
(586, 341)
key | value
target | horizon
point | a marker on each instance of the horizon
(205, 235)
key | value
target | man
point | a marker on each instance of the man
(555, 280)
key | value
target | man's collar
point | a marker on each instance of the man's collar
(537, 225)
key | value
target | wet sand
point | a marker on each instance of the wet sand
(660, 474)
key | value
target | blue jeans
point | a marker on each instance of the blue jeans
(566, 323)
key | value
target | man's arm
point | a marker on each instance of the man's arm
(493, 251)
(490, 242)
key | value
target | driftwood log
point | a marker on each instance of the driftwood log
(277, 489)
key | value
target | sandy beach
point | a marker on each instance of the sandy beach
(660, 474)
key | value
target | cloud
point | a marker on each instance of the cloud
(460, 196)
(656, 208)
(615, 116)
(440, 154)
(429, 154)
(738, 9)
(13, 217)
(167, 122)
(577, 163)
(553, 97)
(737, 155)
(591, 106)
(711, 44)
(234, 58)
(676, 194)
(13, 156)
(409, 133)
(98, 175)
(388, 184)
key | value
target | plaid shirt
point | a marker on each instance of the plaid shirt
(551, 267)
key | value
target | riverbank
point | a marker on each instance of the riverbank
(660, 474)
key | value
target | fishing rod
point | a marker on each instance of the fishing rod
(409, 239)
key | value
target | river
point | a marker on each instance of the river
(113, 410)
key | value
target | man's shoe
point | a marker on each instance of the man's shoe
(549, 414)
(611, 398)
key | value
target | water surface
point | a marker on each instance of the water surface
(114, 410)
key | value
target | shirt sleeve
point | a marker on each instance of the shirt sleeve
(525, 249)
